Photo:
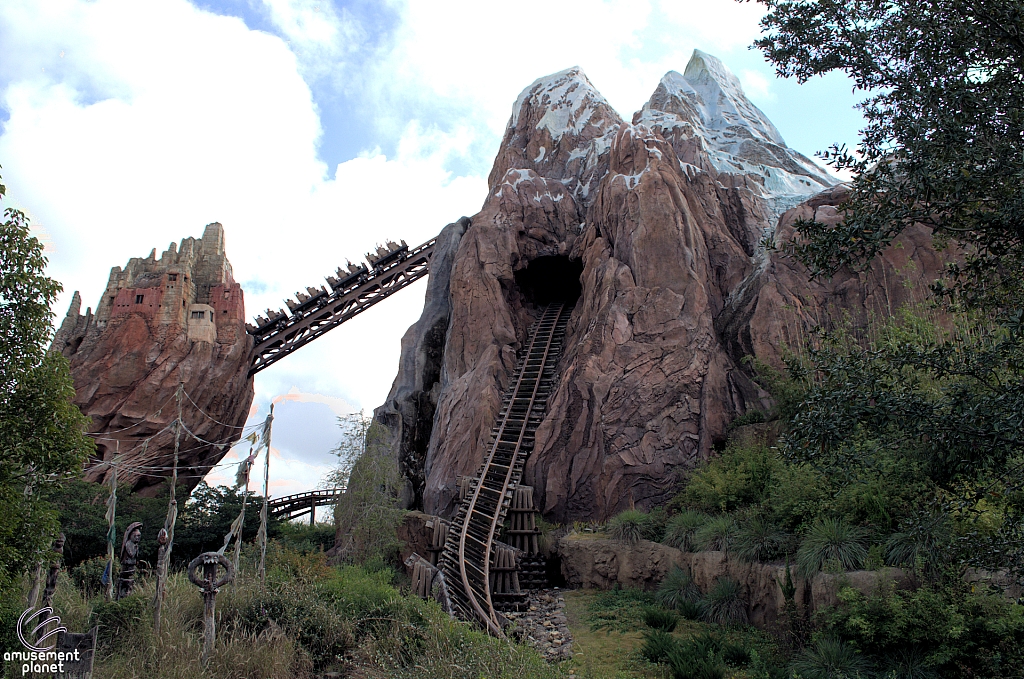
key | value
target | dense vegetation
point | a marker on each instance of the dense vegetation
(42, 443)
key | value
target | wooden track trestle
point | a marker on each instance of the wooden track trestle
(470, 547)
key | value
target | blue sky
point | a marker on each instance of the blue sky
(312, 129)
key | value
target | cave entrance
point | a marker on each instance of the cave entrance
(551, 279)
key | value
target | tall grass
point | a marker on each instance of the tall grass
(308, 619)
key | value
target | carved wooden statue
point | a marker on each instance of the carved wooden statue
(129, 559)
(209, 584)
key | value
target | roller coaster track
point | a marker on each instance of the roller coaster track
(325, 310)
(466, 559)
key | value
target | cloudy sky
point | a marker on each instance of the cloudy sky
(312, 129)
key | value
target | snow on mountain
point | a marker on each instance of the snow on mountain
(708, 104)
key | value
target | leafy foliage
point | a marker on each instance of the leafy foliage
(367, 516)
(42, 439)
(942, 142)
(946, 630)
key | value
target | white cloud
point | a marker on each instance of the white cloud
(756, 86)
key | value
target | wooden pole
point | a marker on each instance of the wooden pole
(266, 494)
(164, 553)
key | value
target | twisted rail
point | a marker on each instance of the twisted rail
(466, 560)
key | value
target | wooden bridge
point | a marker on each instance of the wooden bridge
(470, 547)
(294, 506)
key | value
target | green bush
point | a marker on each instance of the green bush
(677, 589)
(680, 529)
(118, 619)
(740, 476)
(698, 658)
(659, 618)
(829, 658)
(657, 645)
(946, 630)
(832, 543)
(88, 575)
(631, 526)
(759, 539)
(715, 535)
(723, 604)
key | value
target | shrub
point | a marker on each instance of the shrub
(630, 526)
(680, 529)
(740, 476)
(759, 539)
(715, 535)
(690, 610)
(659, 618)
(698, 658)
(723, 604)
(87, 576)
(657, 645)
(831, 542)
(830, 658)
(677, 588)
(734, 654)
(960, 633)
(117, 619)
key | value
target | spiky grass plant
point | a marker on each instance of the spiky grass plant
(832, 542)
(659, 618)
(715, 535)
(680, 529)
(657, 645)
(759, 539)
(630, 526)
(829, 658)
(698, 658)
(676, 589)
(723, 604)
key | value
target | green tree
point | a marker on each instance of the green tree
(944, 140)
(367, 516)
(42, 433)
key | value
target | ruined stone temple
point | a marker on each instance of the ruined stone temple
(179, 318)
(656, 231)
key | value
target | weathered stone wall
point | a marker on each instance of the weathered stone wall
(601, 563)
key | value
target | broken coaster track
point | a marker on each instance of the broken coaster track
(471, 540)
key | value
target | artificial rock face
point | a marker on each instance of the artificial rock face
(655, 230)
(161, 322)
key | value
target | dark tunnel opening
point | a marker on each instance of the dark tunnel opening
(551, 279)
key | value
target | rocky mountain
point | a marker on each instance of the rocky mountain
(162, 322)
(655, 230)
